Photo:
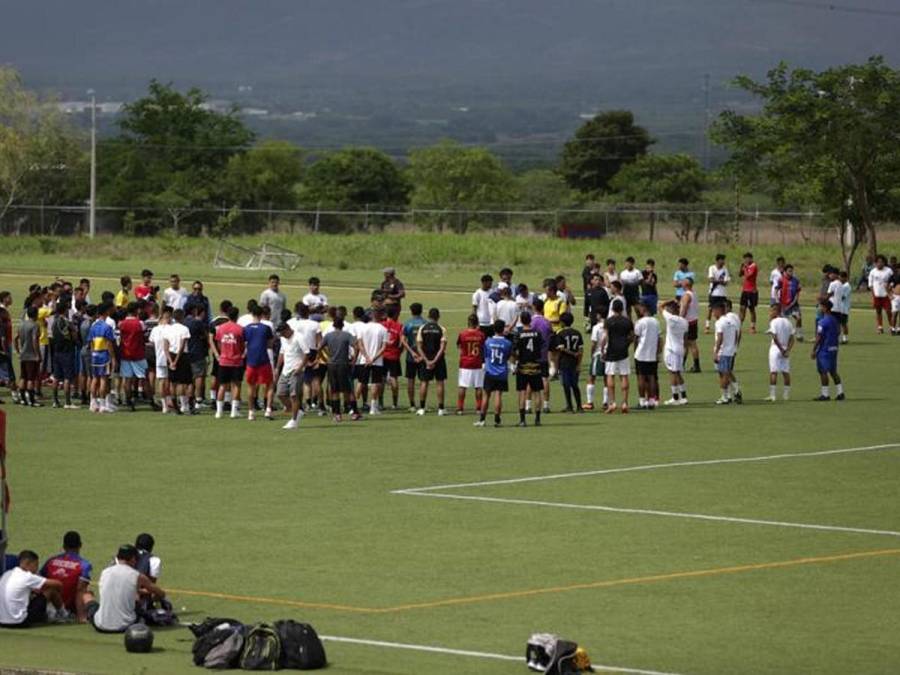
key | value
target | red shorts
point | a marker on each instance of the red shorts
(882, 303)
(260, 374)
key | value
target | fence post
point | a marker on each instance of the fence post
(316, 226)
(606, 223)
(366, 222)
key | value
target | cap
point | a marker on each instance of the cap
(502, 286)
(388, 270)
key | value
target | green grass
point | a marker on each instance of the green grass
(248, 510)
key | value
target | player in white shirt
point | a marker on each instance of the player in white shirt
(310, 334)
(895, 307)
(483, 306)
(718, 277)
(880, 285)
(782, 332)
(690, 310)
(245, 320)
(315, 298)
(175, 296)
(506, 310)
(674, 351)
(175, 338)
(724, 351)
(274, 299)
(846, 299)
(775, 280)
(598, 368)
(373, 338)
(616, 293)
(291, 365)
(646, 357)
(157, 339)
(24, 595)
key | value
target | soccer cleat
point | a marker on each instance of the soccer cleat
(459, 411)
(738, 397)
(420, 412)
(356, 417)
(672, 401)
(219, 414)
(624, 408)
(478, 423)
(441, 412)
(338, 419)
(412, 409)
(822, 398)
(840, 397)
(269, 416)
(497, 425)
(374, 411)
(56, 404)
(522, 424)
(610, 409)
(770, 399)
(695, 369)
(291, 424)
(251, 415)
(538, 423)
(723, 401)
(587, 406)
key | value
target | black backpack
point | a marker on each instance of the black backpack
(262, 648)
(210, 634)
(301, 648)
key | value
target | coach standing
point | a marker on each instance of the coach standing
(392, 287)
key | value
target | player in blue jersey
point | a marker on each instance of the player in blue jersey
(825, 352)
(102, 340)
(497, 350)
(410, 346)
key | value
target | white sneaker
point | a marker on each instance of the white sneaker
(723, 401)
(251, 416)
(95, 407)
(683, 401)
(72, 406)
(420, 412)
(269, 415)
(291, 424)
(374, 411)
(412, 408)
(441, 412)
(478, 423)
(235, 415)
(219, 414)
(770, 399)
(673, 401)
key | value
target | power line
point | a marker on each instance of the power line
(832, 7)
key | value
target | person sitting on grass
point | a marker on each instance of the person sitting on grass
(120, 586)
(74, 572)
(24, 596)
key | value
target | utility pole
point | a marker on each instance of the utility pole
(706, 121)
(92, 218)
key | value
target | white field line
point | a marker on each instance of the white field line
(430, 491)
(646, 467)
(464, 652)
(654, 512)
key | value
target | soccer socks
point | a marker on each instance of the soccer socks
(840, 388)
(496, 419)
(675, 392)
(528, 406)
(589, 393)
(786, 394)
(461, 402)
(826, 391)
(772, 390)
(478, 400)
(537, 416)
(220, 407)
(521, 414)
(235, 407)
(605, 396)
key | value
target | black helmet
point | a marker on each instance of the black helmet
(138, 639)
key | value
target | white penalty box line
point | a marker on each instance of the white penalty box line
(440, 491)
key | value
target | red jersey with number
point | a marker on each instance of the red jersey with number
(751, 271)
(392, 349)
(230, 341)
(471, 348)
(69, 569)
(131, 330)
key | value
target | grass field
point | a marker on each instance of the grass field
(647, 538)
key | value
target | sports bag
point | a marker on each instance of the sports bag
(262, 648)
(301, 648)
(552, 655)
(227, 653)
(211, 633)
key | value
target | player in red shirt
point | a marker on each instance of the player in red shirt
(228, 348)
(749, 292)
(74, 572)
(133, 366)
(145, 290)
(471, 359)
(393, 351)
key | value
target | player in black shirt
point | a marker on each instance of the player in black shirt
(649, 294)
(569, 344)
(527, 349)
(619, 336)
(432, 344)
(596, 300)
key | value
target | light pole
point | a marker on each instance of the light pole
(92, 219)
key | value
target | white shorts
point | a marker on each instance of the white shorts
(471, 378)
(674, 362)
(777, 362)
(162, 372)
(895, 304)
(622, 367)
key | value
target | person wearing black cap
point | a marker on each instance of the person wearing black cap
(120, 585)
(74, 572)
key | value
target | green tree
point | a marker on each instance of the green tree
(663, 179)
(265, 177)
(542, 190)
(172, 154)
(450, 176)
(826, 138)
(40, 155)
(600, 148)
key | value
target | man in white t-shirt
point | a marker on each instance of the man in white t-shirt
(846, 299)
(175, 296)
(24, 595)
(718, 277)
(309, 332)
(775, 280)
(315, 298)
(690, 310)
(631, 278)
(598, 367)
(724, 351)
(506, 310)
(120, 586)
(157, 339)
(273, 298)
(483, 306)
(175, 338)
(674, 351)
(782, 332)
(880, 285)
(646, 357)
(370, 363)
(291, 365)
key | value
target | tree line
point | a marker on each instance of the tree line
(826, 141)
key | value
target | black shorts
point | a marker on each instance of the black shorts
(214, 371)
(231, 374)
(646, 368)
(392, 368)
(524, 382)
(841, 318)
(37, 612)
(150, 357)
(487, 331)
(749, 299)
(439, 372)
(692, 331)
(715, 300)
(369, 374)
(497, 384)
(339, 378)
(181, 373)
(412, 370)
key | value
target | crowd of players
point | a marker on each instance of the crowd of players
(171, 350)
